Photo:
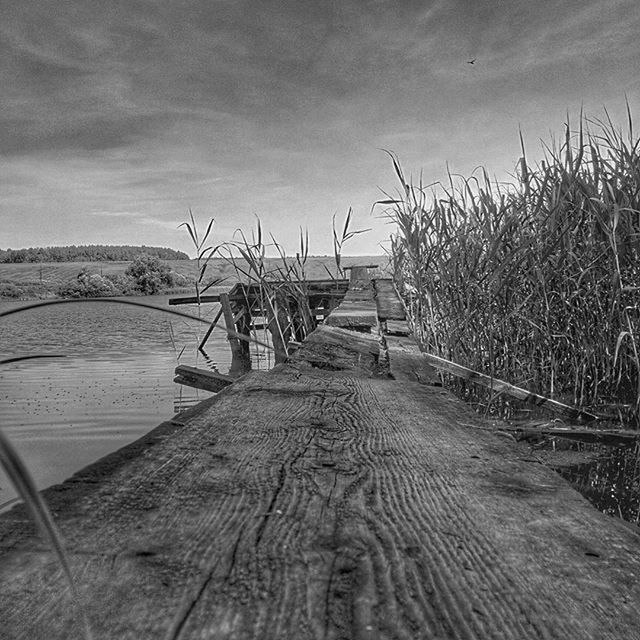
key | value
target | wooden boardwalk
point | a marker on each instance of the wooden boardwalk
(342, 495)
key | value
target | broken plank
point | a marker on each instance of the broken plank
(397, 328)
(202, 378)
(338, 349)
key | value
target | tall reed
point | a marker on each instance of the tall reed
(535, 282)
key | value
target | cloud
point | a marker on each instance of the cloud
(136, 111)
(20, 136)
(115, 214)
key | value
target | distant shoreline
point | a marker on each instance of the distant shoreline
(41, 280)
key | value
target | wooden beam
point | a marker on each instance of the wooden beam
(238, 338)
(193, 299)
(212, 326)
(504, 387)
(358, 309)
(612, 437)
(360, 266)
(389, 305)
(202, 378)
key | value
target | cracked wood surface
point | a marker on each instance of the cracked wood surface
(299, 504)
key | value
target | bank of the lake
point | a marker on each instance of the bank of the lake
(36, 280)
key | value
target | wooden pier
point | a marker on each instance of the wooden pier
(342, 495)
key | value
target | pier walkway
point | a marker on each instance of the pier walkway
(342, 495)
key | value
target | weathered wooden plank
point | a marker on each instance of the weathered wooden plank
(202, 378)
(193, 299)
(397, 328)
(354, 315)
(389, 305)
(407, 362)
(300, 505)
(605, 436)
(337, 349)
(358, 309)
(509, 389)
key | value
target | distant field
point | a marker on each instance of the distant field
(52, 274)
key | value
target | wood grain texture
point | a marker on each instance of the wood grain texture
(300, 505)
(390, 307)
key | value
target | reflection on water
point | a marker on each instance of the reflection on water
(611, 481)
(114, 384)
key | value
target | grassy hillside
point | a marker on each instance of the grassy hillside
(43, 279)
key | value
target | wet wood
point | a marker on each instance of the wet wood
(202, 378)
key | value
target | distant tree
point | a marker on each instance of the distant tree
(88, 253)
(150, 274)
(88, 285)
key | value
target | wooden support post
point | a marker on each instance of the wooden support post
(210, 329)
(277, 326)
(242, 321)
(240, 360)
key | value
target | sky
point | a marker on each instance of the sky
(117, 117)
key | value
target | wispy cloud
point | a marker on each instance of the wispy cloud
(115, 214)
(134, 112)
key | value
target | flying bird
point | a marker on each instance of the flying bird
(471, 61)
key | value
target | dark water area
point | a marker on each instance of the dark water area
(609, 477)
(606, 475)
(114, 384)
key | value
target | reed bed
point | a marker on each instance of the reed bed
(535, 282)
(281, 283)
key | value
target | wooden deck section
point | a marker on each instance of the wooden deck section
(342, 495)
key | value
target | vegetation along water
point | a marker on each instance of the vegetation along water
(535, 282)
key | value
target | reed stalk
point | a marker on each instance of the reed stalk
(534, 282)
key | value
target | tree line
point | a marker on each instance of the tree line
(88, 253)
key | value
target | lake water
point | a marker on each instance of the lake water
(114, 384)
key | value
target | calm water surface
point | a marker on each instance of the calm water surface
(114, 384)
